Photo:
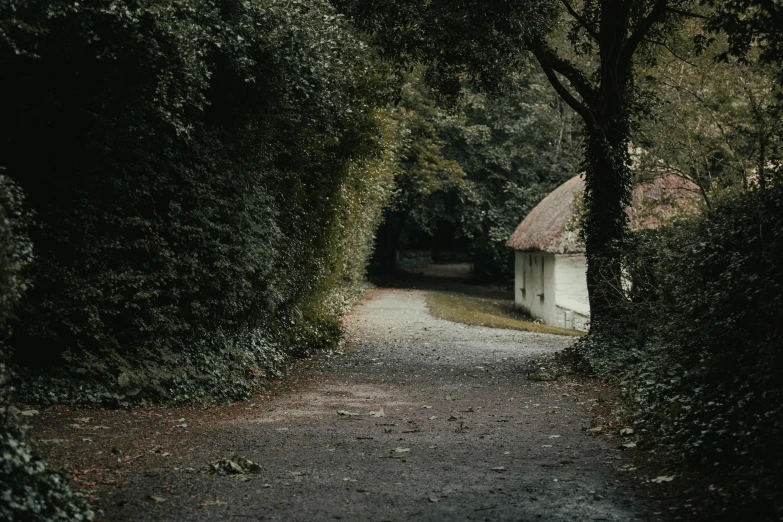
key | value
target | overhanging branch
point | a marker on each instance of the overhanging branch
(687, 14)
(577, 78)
(579, 107)
(580, 20)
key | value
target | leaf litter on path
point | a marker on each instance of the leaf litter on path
(236, 465)
(346, 413)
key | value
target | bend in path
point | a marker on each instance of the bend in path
(463, 436)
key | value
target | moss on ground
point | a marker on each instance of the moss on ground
(492, 313)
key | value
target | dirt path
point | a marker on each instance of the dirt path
(463, 436)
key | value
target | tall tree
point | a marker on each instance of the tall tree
(594, 75)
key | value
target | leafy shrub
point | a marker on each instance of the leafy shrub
(698, 347)
(195, 168)
(15, 249)
(29, 489)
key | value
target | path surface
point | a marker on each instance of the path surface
(463, 436)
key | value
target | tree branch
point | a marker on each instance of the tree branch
(687, 14)
(577, 78)
(656, 13)
(580, 108)
(663, 44)
(580, 20)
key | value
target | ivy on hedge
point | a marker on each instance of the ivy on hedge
(698, 347)
(205, 177)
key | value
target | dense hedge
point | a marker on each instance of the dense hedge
(698, 347)
(205, 175)
(29, 489)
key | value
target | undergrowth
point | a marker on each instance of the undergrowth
(697, 348)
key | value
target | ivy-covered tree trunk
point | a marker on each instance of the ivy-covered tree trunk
(607, 179)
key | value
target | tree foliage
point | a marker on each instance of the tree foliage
(497, 157)
(715, 122)
(594, 75)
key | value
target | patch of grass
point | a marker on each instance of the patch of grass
(492, 313)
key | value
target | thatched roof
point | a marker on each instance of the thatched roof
(545, 227)
(549, 227)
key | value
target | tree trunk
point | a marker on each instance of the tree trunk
(607, 194)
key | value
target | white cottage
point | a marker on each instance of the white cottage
(550, 265)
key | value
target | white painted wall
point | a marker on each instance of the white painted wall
(571, 282)
(563, 283)
(535, 284)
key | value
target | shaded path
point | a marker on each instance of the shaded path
(463, 436)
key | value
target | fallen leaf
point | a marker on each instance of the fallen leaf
(157, 499)
(29, 413)
(626, 431)
(181, 426)
(378, 413)
(433, 499)
(433, 417)
(629, 445)
(83, 420)
(662, 478)
(346, 413)
(208, 503)
(401, 450)
(234, 466)
(427, 407)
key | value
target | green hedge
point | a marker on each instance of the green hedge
(195, 169)
(29, 489)
(698, 347)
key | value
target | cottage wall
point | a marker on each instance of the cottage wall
(571, 282)
(534, 288)
(561, 278)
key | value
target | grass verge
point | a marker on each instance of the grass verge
(494, 313)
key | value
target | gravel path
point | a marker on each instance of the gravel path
(463, 436)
